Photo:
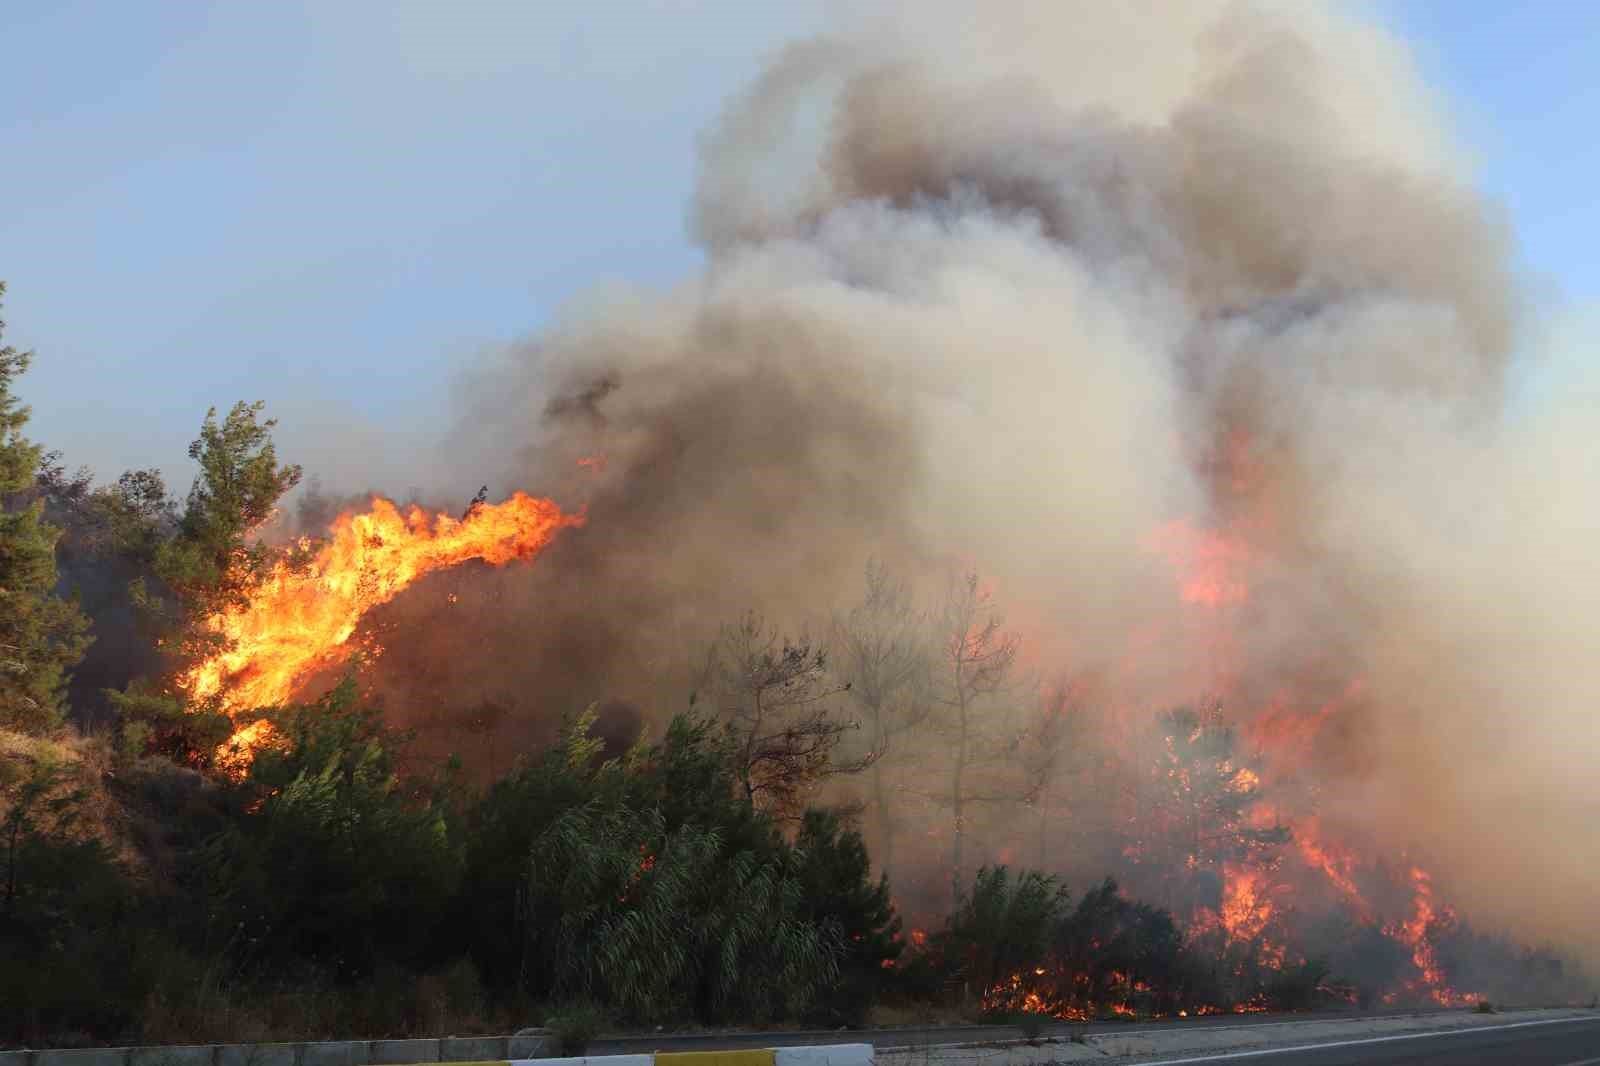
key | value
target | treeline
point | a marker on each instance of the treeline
(314, 894)
(349, 882)
(323, 893)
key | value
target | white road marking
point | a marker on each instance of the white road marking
(1372, 1040)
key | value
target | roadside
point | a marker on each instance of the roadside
(911, 1046)
(1158, 1042)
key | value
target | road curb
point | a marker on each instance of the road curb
(826, 1055)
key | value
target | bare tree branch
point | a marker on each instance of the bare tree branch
(775, 695)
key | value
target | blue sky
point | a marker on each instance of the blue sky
(305, 202)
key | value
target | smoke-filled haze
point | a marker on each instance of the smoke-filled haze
(1058, 293)
(1187, 326)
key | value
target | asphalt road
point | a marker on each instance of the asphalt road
(907, 1036)
(1562, 1043)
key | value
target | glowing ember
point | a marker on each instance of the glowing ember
(1336, 865)
(1012, 996)
(1414, 933)
(1212, 564)
(300, 619)
(1246, 910)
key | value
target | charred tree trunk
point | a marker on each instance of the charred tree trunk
(958, 789)
(880, 797)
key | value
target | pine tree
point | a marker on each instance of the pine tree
(42, 636)
(210, 564)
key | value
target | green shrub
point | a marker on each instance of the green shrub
(1003, 926)
(837, 890)
(71, 920)
(1295, 987)
(663, 925)
(327, 858)
(573, 1028)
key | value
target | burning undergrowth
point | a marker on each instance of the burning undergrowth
(1186, 327)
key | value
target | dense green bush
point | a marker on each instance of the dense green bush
(685, 779)
(326, 894)
(70, 920)
(1004, 926)
(648, 887)
(1118, 945)
(572, 1028)
(837, 890)
(1296, 987)
(1017, 945)
(328, 858)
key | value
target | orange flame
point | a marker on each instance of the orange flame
(1337, 865)
(1414, 934)
(300, 619)
(1246, 909)
(1212, 565)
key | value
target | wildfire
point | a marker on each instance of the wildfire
(1414, 934)
(1212, 567)
(1212, 564)
(1246, 908)
(301, 618)
(1012, 995)
(1335, 865)
(1017, 994)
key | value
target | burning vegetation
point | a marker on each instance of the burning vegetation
(1186, 363)
(298, 618)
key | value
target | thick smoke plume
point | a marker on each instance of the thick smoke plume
(1072, 294)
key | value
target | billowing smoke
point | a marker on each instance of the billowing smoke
(1057, 292)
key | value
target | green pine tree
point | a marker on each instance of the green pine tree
(42, 636)
(210, 564)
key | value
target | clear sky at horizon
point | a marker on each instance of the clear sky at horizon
(306, 203)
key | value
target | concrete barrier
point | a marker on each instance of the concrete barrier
(588, 1060)
(404, 1052)
(487, 1048)
(828, 1055)
(833, 1055)
(94, 1056)
(753, 1057)
(528, 1045)
(257, 1054)
(178, 1055)
(335, 1053)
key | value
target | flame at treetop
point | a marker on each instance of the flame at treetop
(1213, 567)
(1246, 907)
(1336, 863)
(1213, 563)
(301, 617)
